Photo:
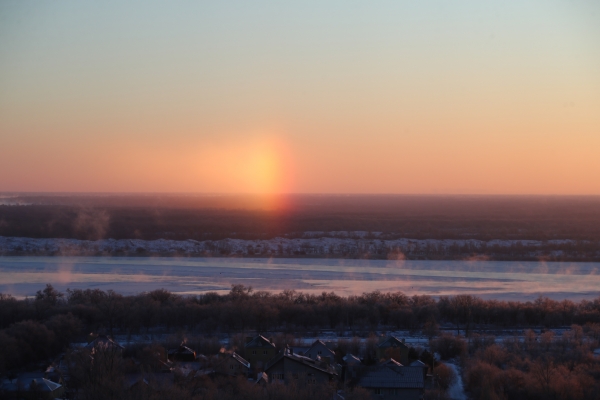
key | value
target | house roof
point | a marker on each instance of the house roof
(309, 362)
(262, 377)
(41, 384)
(390, 362)
(320, 343)
(133, 379)
(155, 380)
(418, 363)
(204, 372)
(45, 385)
(259, 341)
(182, 350)
(240, 359)
(103, 341)
(392, 341)
(393, 377)
(351, 359)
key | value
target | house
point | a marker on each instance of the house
(320, 349)
(351, 359)
(53, 374)
(390, 363)
(259, 351)
(184, 370)
(393, 382)
(288, 367)
(420, 364)
(234, 365)
(182, 354)
(262, 379)
(104, 343)
(144, 384)
(202, 360)
(351, 368)
(38, 388)
(392, 347)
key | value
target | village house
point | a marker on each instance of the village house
(320, 349)
(143, 384)
(288, 367)
(389, 381)
(390, 363)
(104, 343)
(259, 351)
(233, 364)
(350, 359)
(262, 379)
(38, 388)
(392, 347)
(420, 364)
(351, 367)
(182, 354)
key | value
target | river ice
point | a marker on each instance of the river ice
(23, 276)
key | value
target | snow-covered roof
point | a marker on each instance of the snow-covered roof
(351, 359)
(417, 363)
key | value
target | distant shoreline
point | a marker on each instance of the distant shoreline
(315, 247)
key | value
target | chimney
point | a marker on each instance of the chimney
(292, 351)
(271, 339)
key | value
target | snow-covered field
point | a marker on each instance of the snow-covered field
(23, 276)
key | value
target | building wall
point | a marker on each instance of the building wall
(230, 366)
(313, 352)
(259, 356)
(399, 354)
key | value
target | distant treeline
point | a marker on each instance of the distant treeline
(36, 328)
(217, 217)
(339, 247)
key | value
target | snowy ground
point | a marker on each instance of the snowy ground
(23, 276)
(456, 391)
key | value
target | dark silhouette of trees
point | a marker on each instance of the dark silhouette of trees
(537, 366)
(34, 329)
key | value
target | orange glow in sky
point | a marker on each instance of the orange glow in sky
(399, 97)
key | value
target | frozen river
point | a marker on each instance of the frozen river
(23, 276)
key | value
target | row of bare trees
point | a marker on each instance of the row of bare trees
(66, 315)
(536, 366)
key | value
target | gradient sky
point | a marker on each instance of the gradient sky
(325, 96)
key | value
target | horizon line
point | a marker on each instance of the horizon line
(332, 194)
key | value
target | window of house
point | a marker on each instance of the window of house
(231, 367)
(295, 375)
(264, 352)
(254, 352)
(319, 352)
(378, 391)
(278, 376)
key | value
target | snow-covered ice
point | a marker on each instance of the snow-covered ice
(23, 276)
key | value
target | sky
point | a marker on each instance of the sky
(408, 97)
